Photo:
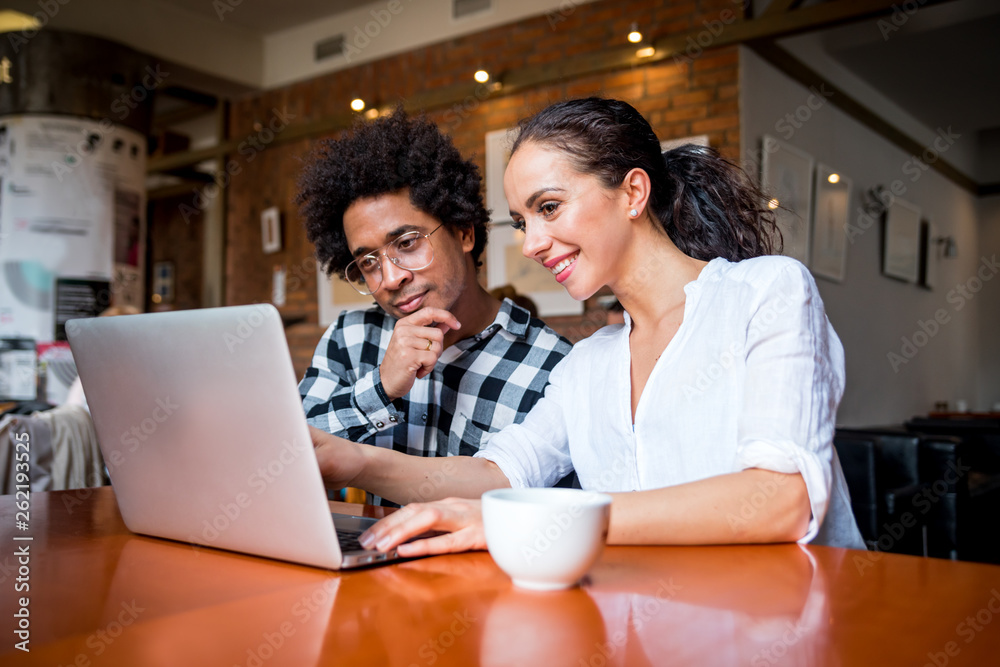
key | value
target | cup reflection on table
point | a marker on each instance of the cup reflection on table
(549, 628)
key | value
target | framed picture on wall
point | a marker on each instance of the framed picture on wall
(270, 230)
(669, 144)
(901, 241)
(163, 282)
(787, 177)
(335, 295)
(498, 145)
(505, 265)
(928, 256)
(830, 217)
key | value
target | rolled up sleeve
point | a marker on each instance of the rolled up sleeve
(794, 382)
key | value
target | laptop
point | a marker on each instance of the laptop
(201, 426)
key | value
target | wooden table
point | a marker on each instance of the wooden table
(102, 596)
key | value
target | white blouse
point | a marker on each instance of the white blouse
(751, 379)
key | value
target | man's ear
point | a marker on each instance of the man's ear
(467, 237)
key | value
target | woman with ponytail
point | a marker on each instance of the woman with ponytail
(709, 415)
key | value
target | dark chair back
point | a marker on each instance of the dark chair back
(857, 459)
(899, 527)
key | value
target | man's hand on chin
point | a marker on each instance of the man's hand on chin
(416, 344)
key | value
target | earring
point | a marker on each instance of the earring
(633, 213)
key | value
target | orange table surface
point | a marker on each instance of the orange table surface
(99, 595)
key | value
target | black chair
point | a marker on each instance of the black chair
(882, 473)
(935, 495)
(882, 470)
(946, 501)
(857, 458)
(982, 437)
(961, 462)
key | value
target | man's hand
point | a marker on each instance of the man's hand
(340, 460)
(416, 344)
(460, 518)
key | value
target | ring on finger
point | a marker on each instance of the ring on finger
(430, 343)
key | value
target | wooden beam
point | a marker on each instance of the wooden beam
(188, 158)
(988, 189)
(181, 115)
(191, 174)
(190, 96)
(799, 71)
(291, 133)
(168, 191)
(780, 7)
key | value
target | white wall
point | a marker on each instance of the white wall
(872, 313)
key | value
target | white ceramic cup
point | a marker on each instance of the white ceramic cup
(545, 539)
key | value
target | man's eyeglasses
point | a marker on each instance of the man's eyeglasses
(411, 251)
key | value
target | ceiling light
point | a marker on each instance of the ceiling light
(358, 104)
(371, 114)
(634, 35)
(645, 52)
(482, 76)
(833, 178)
(11, 21)
(773, 204)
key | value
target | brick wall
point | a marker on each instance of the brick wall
(679, 97)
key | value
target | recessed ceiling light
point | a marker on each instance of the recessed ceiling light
(634, 35)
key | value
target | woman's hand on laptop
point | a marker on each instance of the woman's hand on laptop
(340, 460)
(460, 519)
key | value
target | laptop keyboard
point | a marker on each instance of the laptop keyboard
(349, 540)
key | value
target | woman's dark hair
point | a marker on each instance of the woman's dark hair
(382, 157)
(708, 206)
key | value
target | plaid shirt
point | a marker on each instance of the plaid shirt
(480, 384)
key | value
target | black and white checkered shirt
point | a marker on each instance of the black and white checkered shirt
(480, 384)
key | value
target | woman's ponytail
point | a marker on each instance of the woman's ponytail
(710, 208)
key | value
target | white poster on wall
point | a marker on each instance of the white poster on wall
(69, 189)
(787, 177)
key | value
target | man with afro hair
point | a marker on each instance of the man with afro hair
(438, 364)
